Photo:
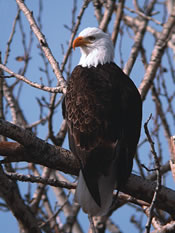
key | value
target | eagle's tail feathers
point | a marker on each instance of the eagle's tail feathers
(105, 187)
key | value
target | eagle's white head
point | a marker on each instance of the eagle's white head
(96, 47)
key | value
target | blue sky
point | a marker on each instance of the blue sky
(55, 15)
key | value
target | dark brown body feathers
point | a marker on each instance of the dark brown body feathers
(103, 110)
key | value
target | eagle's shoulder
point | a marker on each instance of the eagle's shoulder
(92, 103)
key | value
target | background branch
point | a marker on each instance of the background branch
(43, 44)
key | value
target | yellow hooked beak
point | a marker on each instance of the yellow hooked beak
(80, 41)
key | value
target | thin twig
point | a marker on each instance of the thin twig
(158, 181)
(56, 213)
(143, 15)
(83, 8)
(11, 37)
(36, 85)
(119, 13)
(156, 222)
(39, 179)
(43, 44)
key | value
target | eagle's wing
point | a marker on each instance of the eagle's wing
(101, 113)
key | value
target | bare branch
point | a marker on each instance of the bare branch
(138, 188)
(138, 40)
(83, 8)
(97, 10)
(157, 224)
(70, 210)
(107, 15)
(10, 193)
(144, 16)
(157, 54)
(161, 113)
(36, 85)
(119, 14)
(39, 179)
(11, 37)
(16, 111)
(158, 182)
(37, 151)
(33, 149)
(43, 44)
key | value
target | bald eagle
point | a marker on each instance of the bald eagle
(103, 110)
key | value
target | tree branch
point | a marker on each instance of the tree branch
(143, 189)
(24, 79)
(38, 151)
(10, 193)
(84, 6)
(158, 182)
(138, 40)
(43, 43)
(35, 150)
(119, 14)
(157, 54)
(110, 5)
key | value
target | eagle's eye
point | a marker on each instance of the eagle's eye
(91, 38)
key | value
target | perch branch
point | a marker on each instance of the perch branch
(38, 151)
